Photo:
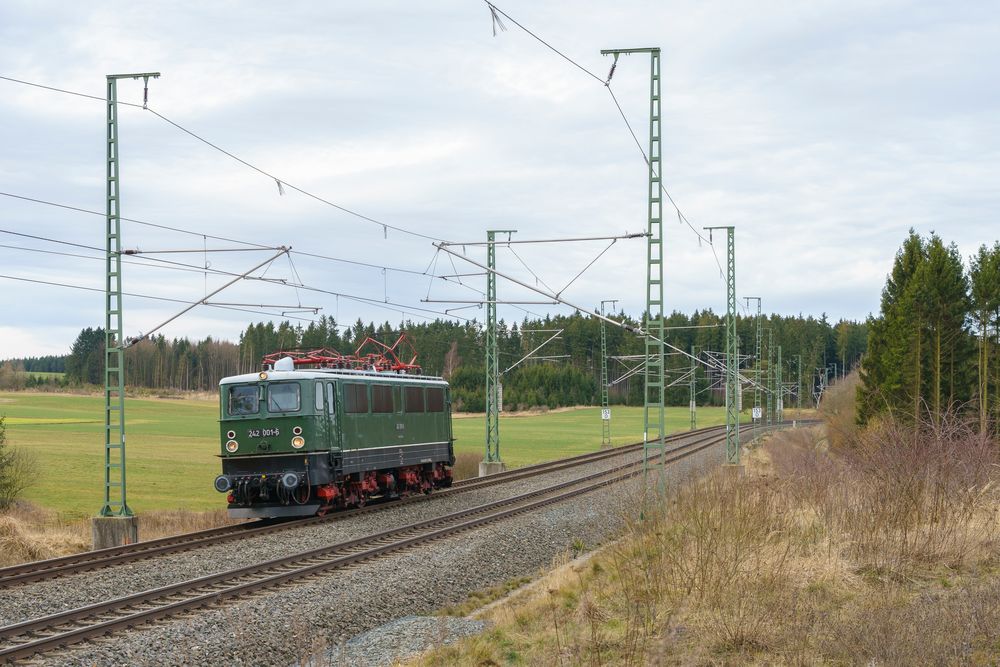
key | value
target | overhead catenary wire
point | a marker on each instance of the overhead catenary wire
(199, 269)
(135, 221)
(222, 238)
(628, 327)
(285, 183)
(172, 266)
(142, 296)
(282, 183)
(607, 84)
(154, 262)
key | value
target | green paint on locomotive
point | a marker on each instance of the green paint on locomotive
(334, 412)
(297, 442)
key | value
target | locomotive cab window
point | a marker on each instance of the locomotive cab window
(243, 400)
(414, 397)
(284, 397)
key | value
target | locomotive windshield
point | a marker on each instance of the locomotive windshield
(283, 397)
(243, 400)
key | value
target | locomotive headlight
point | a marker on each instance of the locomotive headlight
(232, 446)
(231, 435)
(262, 376)
(297, 430)
(298, 442)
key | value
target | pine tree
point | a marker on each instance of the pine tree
(891, 372)
(985, 281)
(943, 289)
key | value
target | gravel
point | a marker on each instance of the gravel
(43, 598)
(399, 639)
(290, 624)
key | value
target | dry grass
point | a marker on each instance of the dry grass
(466, 465)
(24, 538)
(873, 548)
(30, 533)
(839, 410)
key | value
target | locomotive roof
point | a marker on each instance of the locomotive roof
(328, 373)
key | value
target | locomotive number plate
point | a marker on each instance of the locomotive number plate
(263, 432)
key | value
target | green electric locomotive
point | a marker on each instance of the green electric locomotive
(299, 442)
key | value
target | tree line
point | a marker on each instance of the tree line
(569, 376)
(933, 349)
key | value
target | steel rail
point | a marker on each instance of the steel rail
(92, 560)
(44, 634)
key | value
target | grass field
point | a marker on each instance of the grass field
(172, 445)
(46, 375)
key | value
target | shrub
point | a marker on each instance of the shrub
(17, 470)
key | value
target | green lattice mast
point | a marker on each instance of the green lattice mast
(780, 384)
(605, 406)
(693, 388)
(654, 449)
(757, 375)
(115, 503)
(732, 352)
(493, 396)
(770, 376)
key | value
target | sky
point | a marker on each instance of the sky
(822, 131)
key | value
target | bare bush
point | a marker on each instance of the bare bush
(12, 376)
(17, 470)
(901, 496)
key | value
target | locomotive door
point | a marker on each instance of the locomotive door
(333, 424)
(323, 425)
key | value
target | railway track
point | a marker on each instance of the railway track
(92, 560)
(43, 635)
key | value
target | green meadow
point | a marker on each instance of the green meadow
(172, 445)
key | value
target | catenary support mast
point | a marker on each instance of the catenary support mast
(770, 376)
(732, 352)
(758, 379)
(780, 386)
(492, 462)
(115, 501)
(693, 388)
(654, 428)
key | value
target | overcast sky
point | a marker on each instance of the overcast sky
(821, 130)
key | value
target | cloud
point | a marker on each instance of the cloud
(821, 130)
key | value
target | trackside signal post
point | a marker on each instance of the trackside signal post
(654, 450)
(732, 352)
(491, 462)
(115, 524)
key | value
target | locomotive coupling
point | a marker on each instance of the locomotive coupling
(287, 480)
